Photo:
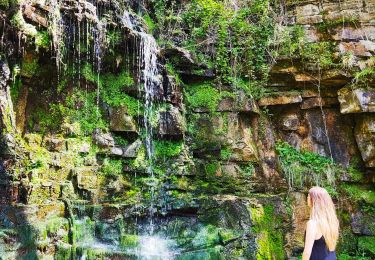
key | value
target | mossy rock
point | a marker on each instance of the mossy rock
(366, 245)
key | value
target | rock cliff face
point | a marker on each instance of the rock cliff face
(209, 152)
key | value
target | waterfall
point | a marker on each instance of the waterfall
(148, 56)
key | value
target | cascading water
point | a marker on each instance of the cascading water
(151, 245)
(148, 53)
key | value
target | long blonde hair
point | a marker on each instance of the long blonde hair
(324, 214)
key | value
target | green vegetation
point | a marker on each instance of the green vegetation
(203, 95)
(366, 246)
(150, 23)
(42, 40)
(19, 22)
(246, 32)
(269, 234)
(343, 21)
(112, 89)
(303, 166)
(167, 148)
(29, 66)
(112, 167)
(225, 153)
(15, 89)
(360, 193)
(83, 108)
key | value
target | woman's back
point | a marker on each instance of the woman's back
(320, 251)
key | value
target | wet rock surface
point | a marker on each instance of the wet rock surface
(216, 185)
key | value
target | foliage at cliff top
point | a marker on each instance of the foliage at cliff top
(233, 41)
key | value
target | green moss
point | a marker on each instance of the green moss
(42, 40)
(269, 236)
(4, 4)
(129, 241)
(112, 89)
(360, 193)
(207, 236)
(19, 22)
(112, 167)
(29, 67)
(82, 108)
(48, 120)
(225, 153)
(211, 168)
(167, 148)
(203, 96)
(114, 83)
(366, 246)
(15, 89)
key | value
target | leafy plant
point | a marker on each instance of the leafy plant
(303, 166)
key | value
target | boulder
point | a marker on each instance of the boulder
(120, 121)
(181, 58)
(129, 151)
(356, 100)
(103, 140)
(171, 123)
(365, 136)
(226, 211)
(240, 103)
(300, 215)
(347, 33)
(361, 49)
(290, 122)
(363, 224)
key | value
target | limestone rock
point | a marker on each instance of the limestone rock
(350, 33)
(361, 49)
(365, 136)
(173, 90)
(308, 14)
(103, 140)
(226, 211)
(180, 57)
(120, 121)
(317, 102)
(356, 100)
(87, 178)
(240, 103)
(300, 216)
(363, 224)
(280, 99)
(129, 151)
(171, 123)
(290, 122)
(55, 144)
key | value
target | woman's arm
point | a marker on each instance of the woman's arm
(309, 240)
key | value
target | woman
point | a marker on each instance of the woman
(322, 229)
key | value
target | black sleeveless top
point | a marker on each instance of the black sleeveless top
(321, 252)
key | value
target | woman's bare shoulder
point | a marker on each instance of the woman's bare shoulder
(311, 222)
